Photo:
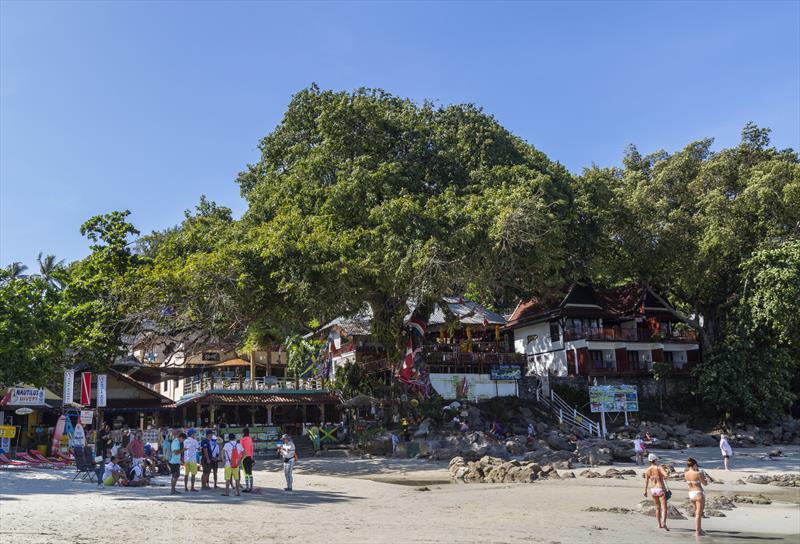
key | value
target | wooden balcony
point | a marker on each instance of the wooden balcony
(617, 334)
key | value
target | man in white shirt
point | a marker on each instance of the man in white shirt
(726, 450)
(287, 452)
(233, 454)
(113, 473)
(137, 474)
(191, 448)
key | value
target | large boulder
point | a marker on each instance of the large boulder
(699, 440)
(556, 442)
(648, 508)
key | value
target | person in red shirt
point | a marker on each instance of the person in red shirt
(248, 461)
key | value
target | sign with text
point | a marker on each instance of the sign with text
(86, 417)
(26, 396)
(614, 398)
(69, 385)
(8, 431)
(102, 387)
(506, 372)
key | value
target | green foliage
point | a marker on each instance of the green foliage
(32, 332)
(366, 197)
(351, 380)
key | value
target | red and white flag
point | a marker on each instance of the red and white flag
(86, 388)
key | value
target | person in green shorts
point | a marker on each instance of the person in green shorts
(113, 473)
(233, 453)
(191, 447)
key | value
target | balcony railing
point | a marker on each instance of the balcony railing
(616, 334)
(269, 383)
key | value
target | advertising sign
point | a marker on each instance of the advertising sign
(86, 417)
(86, 388)
(8, 431)
(151, 436)
(506, 372)
(614, 398)
(69, 385)
(102, 385)
(25, 396)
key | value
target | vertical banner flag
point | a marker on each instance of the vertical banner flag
(86, 388)
(102, 383)
(69, 385)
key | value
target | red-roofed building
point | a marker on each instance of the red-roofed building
(613, 332)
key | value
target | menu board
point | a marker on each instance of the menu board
(264, 437)
(614, 398)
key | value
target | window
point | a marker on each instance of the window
(596, 357)
(555, 333)
(668, 357)
(532, 338)
(633, 360)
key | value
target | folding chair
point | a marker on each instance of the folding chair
(34, 462)
(36, 454)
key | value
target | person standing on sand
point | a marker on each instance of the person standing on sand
(205, 459)
(639, 448)
(233, 453)
(696, 479)
(176, 451)
(726, 450)
(190, 449)
(247, 463)
(288, 453)
(655, 479)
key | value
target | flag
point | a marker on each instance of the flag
(418, 327)
(86, 388)
(102, 385)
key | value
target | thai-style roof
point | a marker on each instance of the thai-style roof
(221, 397)
(627, 301)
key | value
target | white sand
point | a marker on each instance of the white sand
(335, 501)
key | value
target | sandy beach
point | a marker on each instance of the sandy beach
(377, 500)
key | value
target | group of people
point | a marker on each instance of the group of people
(656, 481)
(137, 463)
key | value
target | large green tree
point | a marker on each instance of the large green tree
(686, 222)
(366, 197)
(32, 330)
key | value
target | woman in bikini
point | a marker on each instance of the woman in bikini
(655, 478)
(696, 479)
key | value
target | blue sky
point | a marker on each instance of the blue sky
(146, 106)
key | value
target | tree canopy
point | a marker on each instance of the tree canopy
(366, 198)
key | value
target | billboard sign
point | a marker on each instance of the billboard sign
(506, 372)
(614, 398)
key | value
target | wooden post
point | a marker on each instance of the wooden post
(252, 371)
(322, 414)
(269, 415)
(212, 414)
(198, 415)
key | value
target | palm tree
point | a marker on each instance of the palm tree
(16, 269)
(48, 269)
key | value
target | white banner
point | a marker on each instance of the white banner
(69, 385)
(102, 383)
(25, 396)
(86, 417)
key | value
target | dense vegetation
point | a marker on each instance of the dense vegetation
(365, 198)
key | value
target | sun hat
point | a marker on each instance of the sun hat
(652, 457)
(284, 437)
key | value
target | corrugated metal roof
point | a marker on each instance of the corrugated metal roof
(262, 398)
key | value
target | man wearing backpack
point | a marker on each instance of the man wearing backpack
(233, 453)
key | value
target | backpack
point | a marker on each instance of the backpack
(235, 457)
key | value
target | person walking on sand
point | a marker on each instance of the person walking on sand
(233, 454)
(190, 449)
(288, 453)
(655, 479)
(249, 460)
(639, 449)
(726, 450)
(696, 478)
(176, 451)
